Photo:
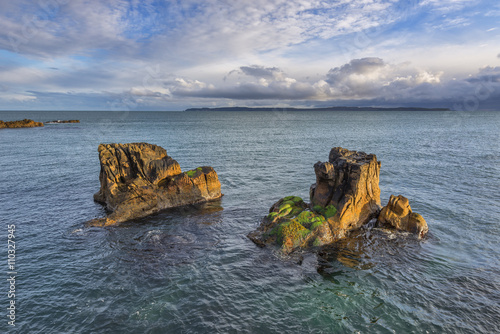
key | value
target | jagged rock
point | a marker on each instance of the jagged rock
(139, 179)
(350, 182)
(25, 123)
(398, 214)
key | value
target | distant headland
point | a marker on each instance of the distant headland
(317, 109)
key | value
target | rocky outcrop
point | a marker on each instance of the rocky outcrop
(348, 181)
(398, 214)
(139, 179)
(345, 197)
(25, 123)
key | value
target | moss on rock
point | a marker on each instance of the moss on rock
(327, 211)
(291, 234)
(291, 224)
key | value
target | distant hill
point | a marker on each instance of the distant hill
(318, 109)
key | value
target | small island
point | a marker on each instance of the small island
(25, 123)
(318, 109)
(345, 197)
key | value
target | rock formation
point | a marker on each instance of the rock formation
(349, 182)
(139, 179)
(345, 197)
(398, 214)
(25, 123)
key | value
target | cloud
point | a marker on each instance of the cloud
(363, 82)
(364, 66)
(365, 79)
(149, 29)
(372, 77)
(261, 71)
(60, 27)
(261, 90)
(447, 5)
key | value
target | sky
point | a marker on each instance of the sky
(173, 55)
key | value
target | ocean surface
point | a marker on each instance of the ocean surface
(193, 270)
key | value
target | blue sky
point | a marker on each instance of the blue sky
(172, 55)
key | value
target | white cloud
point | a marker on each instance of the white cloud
(366, 78)
(448, 5)
(186, 31)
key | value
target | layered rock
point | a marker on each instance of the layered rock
(25, 123)
(350, 182)
(139, 179)
(398, 214)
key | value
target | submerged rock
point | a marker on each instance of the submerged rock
(25, 123)
(345, 197)
(398, 214)
(139, 179)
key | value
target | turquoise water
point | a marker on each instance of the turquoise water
(192, 270)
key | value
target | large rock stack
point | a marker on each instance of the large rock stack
(348, 181)
(139, 179)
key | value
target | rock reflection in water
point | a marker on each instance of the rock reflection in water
(365, 249)
(173, 237)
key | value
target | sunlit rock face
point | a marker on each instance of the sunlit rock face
(350, 182)
(139, 179)
(25, 123)
(398, 214)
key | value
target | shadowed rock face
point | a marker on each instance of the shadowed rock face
(139, 179)
(398, 214)
(350, 182)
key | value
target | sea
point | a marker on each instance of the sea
(193, 269)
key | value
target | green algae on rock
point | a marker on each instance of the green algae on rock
(290, 224)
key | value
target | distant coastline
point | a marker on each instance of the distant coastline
(318, 109)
